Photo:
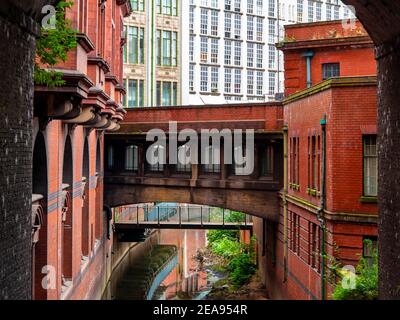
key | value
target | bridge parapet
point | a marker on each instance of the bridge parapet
(262, 117)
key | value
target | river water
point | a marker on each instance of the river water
(178, 276)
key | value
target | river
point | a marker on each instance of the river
(168, 270)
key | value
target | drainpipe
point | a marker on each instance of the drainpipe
(108, 213)
(152, 64)
(309, 55)
(321, 217)
(285, 207)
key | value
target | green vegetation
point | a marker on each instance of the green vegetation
(239, 258)
(366, 281)
(53, 46)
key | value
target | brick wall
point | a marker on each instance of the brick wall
(17, 42)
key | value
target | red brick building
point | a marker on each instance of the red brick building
(328, 206)
(70, 247)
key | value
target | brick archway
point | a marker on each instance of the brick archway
(381, 18)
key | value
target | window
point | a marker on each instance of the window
(370, 245)
(330, 70)
(183, 154)
(137, 5)
(260, 82)
(214, 22)
(295, 160)
(260, 52)
(167, 93)
(131, 158)
(314, 256)
(214, 79)
(259, 9)
(250, 55)
(318, 11)
(250, 28)
(212, 160)
(159, 155)
(271, 31)
(250, 6)
(260, 27)
(267, 161)
(135, 92)
(214, 50)
(328, 11)
(250, 82)
(238, 53)
(310, 10)
(204, 79)
(300, 10)
(238, 26)
(203, 49)
(167, 48)
(191, 48)
(271, 83)
(167, 7)
(370, 166)
(191, 77)
(314, 168)
(228, 80)
(238, 81)
(228, 25)
(110, 157)
(191, 19)
(271, 8)
(228, 52)
(294, 232)
(204, 21)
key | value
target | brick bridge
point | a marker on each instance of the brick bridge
(130, 179)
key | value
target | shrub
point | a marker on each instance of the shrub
(242, 268)
(366, 282)
(226, 248)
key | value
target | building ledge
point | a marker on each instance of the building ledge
(332, 83)
(367, 199)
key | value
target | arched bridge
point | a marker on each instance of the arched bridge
(130, 178)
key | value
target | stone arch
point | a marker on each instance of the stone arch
(39, 216)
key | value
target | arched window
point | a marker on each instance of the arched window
(155, 161)
(131, 158)
(183, 153)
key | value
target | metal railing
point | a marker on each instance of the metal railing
(181, 215)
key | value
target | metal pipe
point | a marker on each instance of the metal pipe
(284, 200)
(321, 211)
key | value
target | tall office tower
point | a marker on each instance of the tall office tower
(229, 52)
(152, 72)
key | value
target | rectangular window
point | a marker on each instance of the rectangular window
(183, 153)
(314, 256)
(204, 79)
(141, 46)
(132, 93)
(167, 93)
(271, 83)
(314, 167)
(238, 81)
(260, 28)
(260, 53)
(228, 25)
(238, 26)
(310, 10)
(191, 77)
(228, 80)
(131, 158)
(214, 79)
(212, 161)
(260, 82)
(133, 45)
(250, 6)
(204, 21)
(191, 19)
(295, 232)
(238, 53)
(250, 28)
(370, 166)
(191, 48)
(203, 49)
(166, 48)
(271, 8)
(250, 82)
(250, 55)
(214, 50)
(158, 48)
(267, 161)
(214, 22)
(318, 11)
(228, 52)
(300, 10)
(330, 70)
